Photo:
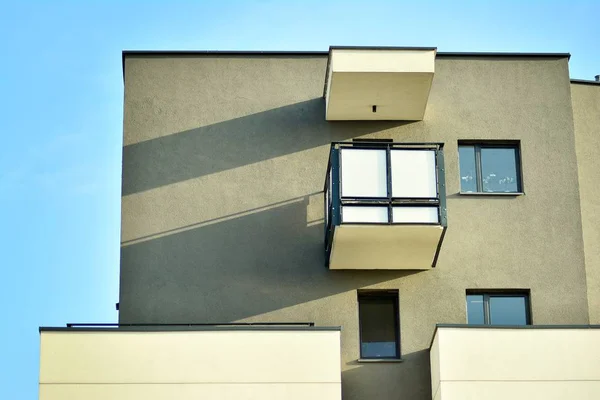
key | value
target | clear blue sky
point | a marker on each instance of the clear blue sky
(61, 121)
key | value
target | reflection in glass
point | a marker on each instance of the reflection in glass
(499, 170)
(468, 171)
(507, 310)
(475, 309)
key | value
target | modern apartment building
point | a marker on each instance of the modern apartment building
(360, 223)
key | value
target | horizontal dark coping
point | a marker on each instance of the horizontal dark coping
(324, 53)
(585, 82)
(189, 328)
(467, 326)
(502, 54)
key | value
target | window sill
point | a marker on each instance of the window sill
(512, 194)
(379, 360)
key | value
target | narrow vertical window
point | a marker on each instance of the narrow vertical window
(379, 325)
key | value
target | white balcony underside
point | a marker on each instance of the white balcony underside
(397, 247)
(398, 82)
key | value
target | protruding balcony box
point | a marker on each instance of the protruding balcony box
(385, 205)
(517, 363)
(196, 362)
(378, 83)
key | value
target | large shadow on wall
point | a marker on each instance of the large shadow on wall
(411, 379)
(237, 142)
(233, 269)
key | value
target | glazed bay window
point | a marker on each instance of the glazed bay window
(490, 167)
(385, 205)
(498, 308)
(379, 324)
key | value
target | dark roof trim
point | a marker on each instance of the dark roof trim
(466, 326)
(322, 53)
(585, 82)
(505, 55)
(249, 326)
(220, 52)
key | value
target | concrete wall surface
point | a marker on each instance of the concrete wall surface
(586, 117)
(516, 364)
(224, 162)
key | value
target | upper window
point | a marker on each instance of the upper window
(379, 324)
(489, 167)
(498, 308)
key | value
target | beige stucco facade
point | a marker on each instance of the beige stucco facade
(224, 363)
(586, 115)
(517, 364)
(224, 161)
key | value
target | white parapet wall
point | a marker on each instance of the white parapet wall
(207, 364)
(518, 364)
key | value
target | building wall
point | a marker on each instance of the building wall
(516, 364)
(249, 363)
(586, 117)
(224, 161)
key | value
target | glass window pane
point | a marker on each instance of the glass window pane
(475, 309)
(364, 173)
(468, 171)
(365, 214)
(415, 214)
(378, 328)
(499, 170)
(508, 310)
(413, 173)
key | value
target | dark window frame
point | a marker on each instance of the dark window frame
(493, 144)
(389, 201)
(378, 296)
(487, 294)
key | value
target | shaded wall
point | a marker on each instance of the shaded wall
(224, 162)
(586, 116)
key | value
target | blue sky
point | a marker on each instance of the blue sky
(61, 120)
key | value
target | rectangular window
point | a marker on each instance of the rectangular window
(389, 183)
(379, 324)
(498, 308)
(490, 167)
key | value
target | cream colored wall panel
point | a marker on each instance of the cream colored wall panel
(362, 60)
(190, 357)
(434, 352)
(519, 354)
(558, 390)
(313, 391)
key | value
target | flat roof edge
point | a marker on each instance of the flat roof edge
(585, 82)
(502, 54)
(183, 328)
(126, 53)
(467, 326)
